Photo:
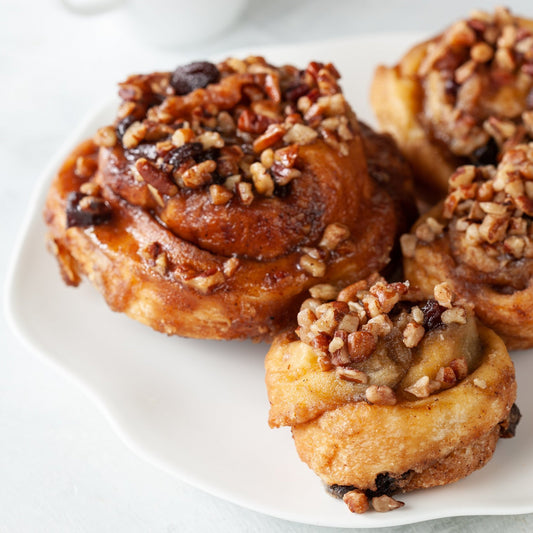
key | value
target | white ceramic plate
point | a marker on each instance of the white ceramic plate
(199, 409)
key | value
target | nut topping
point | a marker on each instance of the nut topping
(488, 50)
(248, 119)
(356, 501)
(85, 167)
(334, 234)
(300, 134)
(423, 387)
(134, 135)
(384, 504)
(199, 175)
(492, 226)
(155, 177)
(315, 267)
(220, 195)
(380, 395)
(206, 284)
(413, 334)
(324, 291)
(352, 333)
(106, 137)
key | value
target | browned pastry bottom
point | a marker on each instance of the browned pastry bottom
(459, 464)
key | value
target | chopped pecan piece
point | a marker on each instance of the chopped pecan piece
(155, 177)
(300, 134)
(384, 504)
(106, 137)
(380, 395)
(315, 267)
(424, 387)
(356, 501)
(199, 175)
(220, 195)
(413, 334)
(324, 291)
(333, 235)
(361, 344)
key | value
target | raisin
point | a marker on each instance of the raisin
(508, 428)
(178, 156)
(432, 315)
(486, 154)
(124, 124)
(95, 212)
(197, 75)
(451, 87)
(387, 484)
(146, 150)
(209, 154)
(339, 490)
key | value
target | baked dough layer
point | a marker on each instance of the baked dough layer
(442, 438)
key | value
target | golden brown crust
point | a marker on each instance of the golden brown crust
(192, 257)
(424, 406)
(394, 101)
(459, 464)
(463, 96)
(441, 438)
(352, 444)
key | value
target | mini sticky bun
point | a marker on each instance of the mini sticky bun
(462, 97)
(388, 392)
(480, 239)
(221, 193)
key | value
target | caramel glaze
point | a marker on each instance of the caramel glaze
(262, 296)
(284, 224)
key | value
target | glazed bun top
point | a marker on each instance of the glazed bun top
(477, 84)
(487, 216)
(383, 343)
(222, 153)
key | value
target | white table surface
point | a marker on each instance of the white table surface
(62, 468)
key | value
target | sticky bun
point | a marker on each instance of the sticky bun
(462, 97)
(387, 391)
(221, 193)
(480, 239)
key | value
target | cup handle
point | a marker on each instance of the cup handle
(90, 7)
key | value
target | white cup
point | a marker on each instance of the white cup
(169, 23)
